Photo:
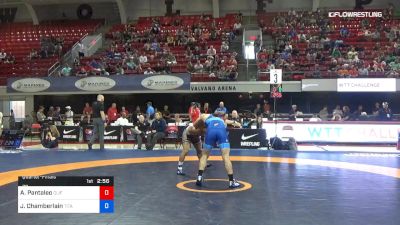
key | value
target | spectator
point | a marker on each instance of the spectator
(293, 113)
(12, 120)
(120, 70)
(237, 28)
(211, 51)
(66, 71)
(122, 120)
(50, 113)
(157, 131)
(190, 67)
(385, 113)
(346, 113)
(57, 116)
(69, 116)
(317, 71)
(165, 113)
(81, 49)
(3, 55)
(50, 139)
(136, 114)
(198, 67)
(208, 64)
(87, 112)
(221, 110)
(33, 54)
(257, 111)
(26, 124)
(112, 113)
(266, 108)
(337, 111)
(40, 115)
(357, 115)
(258, 122)
(235, 117)
(344, 32)
(194, 112)
(142, 59)
(377, 108)
(224, 47)
(140, 130)
(206, 108)
(363, 71)
(150, 111)
(149, 71)
(124, 110)
(323, 114)
(10, 59)
(82, 72)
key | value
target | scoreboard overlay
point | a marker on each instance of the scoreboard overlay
(65, 194)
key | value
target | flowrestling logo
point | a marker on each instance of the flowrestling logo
(30, 85)
(355, 14)
(95, 83)
(162, 82)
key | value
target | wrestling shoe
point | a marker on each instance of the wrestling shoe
(199, 181)
(234, 184)
(179, 171)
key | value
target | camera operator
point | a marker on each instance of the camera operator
(51, 136)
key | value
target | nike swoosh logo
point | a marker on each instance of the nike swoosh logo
(68, 131)
(248, 137)
(110, 132)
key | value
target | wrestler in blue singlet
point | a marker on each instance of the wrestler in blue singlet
(216, 133)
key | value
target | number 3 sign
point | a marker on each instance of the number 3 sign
(275, 76)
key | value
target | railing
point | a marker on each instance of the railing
(66, 58)
(53, 69)
(94, 45)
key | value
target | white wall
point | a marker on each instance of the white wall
(107, 10)
(346, 4)
(137, 8)
(234, 6)
(22, 14)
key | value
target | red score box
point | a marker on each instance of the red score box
(106, 192)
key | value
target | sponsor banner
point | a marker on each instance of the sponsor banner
(111, 133)
(69, 133)
(228, 87)
(30, 85)
(355, 14)
(366, 85)
(333, 132)
(247, 138)
(318, 85)
(138, 83)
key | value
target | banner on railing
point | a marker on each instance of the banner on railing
(138, 83)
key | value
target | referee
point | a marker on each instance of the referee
(99, 122)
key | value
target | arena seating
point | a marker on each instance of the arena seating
(312, 56)
(169, 26)
(20, 38)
